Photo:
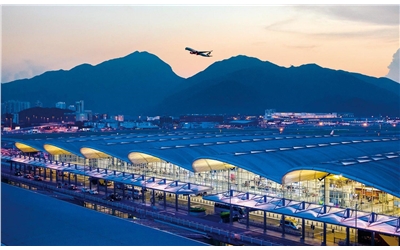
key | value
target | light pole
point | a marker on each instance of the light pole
(355, 229)
(84, 173)
(230, 198)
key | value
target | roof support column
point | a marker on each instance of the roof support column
(247, 218)
(165, 200)
(303, 223)
(188, 204)
(265, 215)
(153, 199)
(303, 229)
(265, 221)
(397, 228)
(176, 202)
(326, 191)
(372, 238)
(323, 243)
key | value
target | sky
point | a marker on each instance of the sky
(355, 38)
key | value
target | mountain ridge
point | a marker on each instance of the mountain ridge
(142, 84)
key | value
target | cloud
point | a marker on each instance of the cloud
(372, 14)
(22, 70)
(394, 72)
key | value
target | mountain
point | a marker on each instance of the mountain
(142, 84)
(127, 85)
(247, 85)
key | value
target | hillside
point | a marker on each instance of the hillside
(142, 84)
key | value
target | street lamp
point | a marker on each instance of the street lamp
(230, 198)
(84, 173)
(355, 229)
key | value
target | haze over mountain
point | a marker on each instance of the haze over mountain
(142, 84)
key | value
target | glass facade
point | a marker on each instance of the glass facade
(336, 190)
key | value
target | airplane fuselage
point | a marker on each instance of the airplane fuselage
(199, 53)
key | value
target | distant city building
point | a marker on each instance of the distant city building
(154, 118)
(16, 118)
(89, 115)
(201, 118)
(269, 113)
(72, 107)
(346, 115)
(146, 125)
(38, 115)
(203, 125)
(61, 105)
(79, 106)
(119, 118)
(39, 104)
(272, 114)
(13, 107)
(127, 124)
(81, 117)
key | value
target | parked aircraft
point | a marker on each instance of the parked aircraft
(199, 53)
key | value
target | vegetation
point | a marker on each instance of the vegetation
(225, 215)
(197, 209)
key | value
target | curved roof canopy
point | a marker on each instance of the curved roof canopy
(90, 153)
(371, 159)
(56, 150)
(203, 165)
(303, 175)
(140, 158)
(25, 148)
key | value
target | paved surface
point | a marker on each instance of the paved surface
(274, 237)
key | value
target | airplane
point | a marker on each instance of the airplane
(199, 53)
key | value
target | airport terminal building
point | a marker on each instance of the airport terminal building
(344, 180)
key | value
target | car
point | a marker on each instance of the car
(38, 178)
(93, 191)
(135, 194)
(18, 173)
(121, 186)
(291, 223)
(28, 176)
(85, 190)
(72, 187)
(114, 197)
(104, 182)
